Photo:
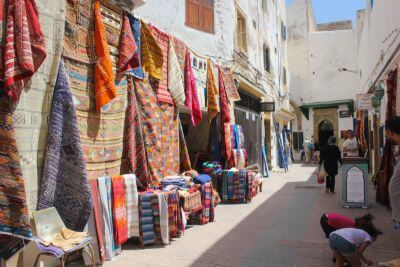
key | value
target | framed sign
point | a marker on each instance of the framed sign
(344, 114)
(355, 183)
(364, 101)
(267, 106)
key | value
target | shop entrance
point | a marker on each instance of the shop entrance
(325, 130)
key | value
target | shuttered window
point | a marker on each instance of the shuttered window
(200, 15)
(241, 32)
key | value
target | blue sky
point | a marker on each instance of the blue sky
(333, 10)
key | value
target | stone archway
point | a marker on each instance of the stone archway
(321, 115)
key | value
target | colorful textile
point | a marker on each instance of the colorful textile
(225, 116)
(175, 76)
(191, 101)
(104, 86)
(164, 227)
(229, 83)
(98, 215)
(136, 29)
(388, 159)
(199, 68)
(119, 210)
(14, 217)
(180, 50)
(238, 137)
(111, 248)
(184, 158)
(212, 92)
(134, 145)
(3, 20)
(152, 54)
(128, 56)
(65, 185)
(161, 86)
(160, 130)
(228, 148)
(132, 205)
(24, 50)
(173, 214)
(208, 203)
(156, 218)
(240, 158)
(146, 219)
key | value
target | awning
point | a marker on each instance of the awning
(328, 104)
(283, 115)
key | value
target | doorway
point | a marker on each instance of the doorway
(325, 130)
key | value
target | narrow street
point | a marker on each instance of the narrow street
(279, 228)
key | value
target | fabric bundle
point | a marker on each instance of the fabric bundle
(65, 185)
(14, 217)
(192, 100)
(161, 86)
(24, 50)
(146, 219)
(212, 92)
(175, 76)
(119, 210)
(128, 56)
(173, 213)
(208, 203)
(179, 182)
(156, 218)
(202, 179)
(132, 205)
(104, 86)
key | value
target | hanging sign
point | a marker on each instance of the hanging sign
(344, 114)
(267, 106)
(364, 101)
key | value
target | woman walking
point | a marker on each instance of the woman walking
(330, 156)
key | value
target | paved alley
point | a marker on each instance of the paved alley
(279, 228)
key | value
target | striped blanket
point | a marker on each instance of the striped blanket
(162, 202)
(98, 215)
(119, 210)
(147, 234)
(156, 218)
(132, 205)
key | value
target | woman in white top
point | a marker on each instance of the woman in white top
(350, 243)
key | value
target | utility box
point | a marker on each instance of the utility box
(355, 185)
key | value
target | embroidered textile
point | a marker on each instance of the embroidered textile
(191, 101)
(175, 76)
(132, 205)
(173, 214)
(112, 249)
(24, 50)
(65, 185)
(180, 51)
(229, 83)
(146, 219)
(212, 93)
(162, 202)
(128, 56)
(161, 86)
(134, 145)
(160, 130)
(223, 99)
(152, 54)
(135, 26)
(98, 215)
(104, 86)
(119, 210)
(14, 217)
(184, 158)
(199, 68)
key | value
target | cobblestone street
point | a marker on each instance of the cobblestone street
(279, 228)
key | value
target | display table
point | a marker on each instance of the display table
(355, 183)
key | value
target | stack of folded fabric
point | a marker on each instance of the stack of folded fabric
(174, 181)
(234, 185)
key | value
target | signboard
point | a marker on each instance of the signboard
(364, 101)
(267, 106)
(344, 114)
(355, 183)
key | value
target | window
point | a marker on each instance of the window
(265, 5)
(200, 15)
(266, 58)
(298, 140)
(241, 32)
(283, 31)
(284, 76)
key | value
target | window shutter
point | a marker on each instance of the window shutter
(208, 15)
(193, 13)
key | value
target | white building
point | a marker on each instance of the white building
(324, 75)
(250, 37)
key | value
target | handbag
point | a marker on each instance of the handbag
(322, 171)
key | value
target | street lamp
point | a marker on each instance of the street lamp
(377, 97)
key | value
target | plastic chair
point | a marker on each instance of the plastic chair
(49, 223)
